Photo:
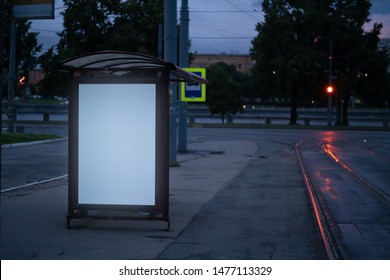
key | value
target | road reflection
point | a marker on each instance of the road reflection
(328, 148)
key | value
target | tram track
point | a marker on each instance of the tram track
(332, 248)
(375, 190)
(345, 204)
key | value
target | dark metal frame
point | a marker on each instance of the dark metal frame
(160, 211)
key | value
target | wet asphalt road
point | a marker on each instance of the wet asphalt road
(262, 214)
(366, 152)
(361, 224)
(29, 164)
(26, 165)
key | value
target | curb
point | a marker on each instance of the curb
(25, 144)
(34, 183)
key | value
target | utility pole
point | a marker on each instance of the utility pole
(160, 41)
(12, 77)
(170, 48)
(183, 50)
(330, 83)
(2, 33)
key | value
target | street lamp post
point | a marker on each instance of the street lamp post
(170, 47)
(12, 78)
(330, 89)
(183, 62)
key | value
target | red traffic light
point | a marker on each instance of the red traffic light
(329, 89)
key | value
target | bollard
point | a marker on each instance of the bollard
(229, 118)
(191, 120)
(19, 129)
(46, 116)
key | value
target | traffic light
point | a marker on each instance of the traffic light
(329, 89)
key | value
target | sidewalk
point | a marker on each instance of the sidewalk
(33, 220)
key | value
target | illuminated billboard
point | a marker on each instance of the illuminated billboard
(117, 138)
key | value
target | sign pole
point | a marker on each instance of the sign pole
(12, 78)
(330, 82)
(184, 19)
(170, 47)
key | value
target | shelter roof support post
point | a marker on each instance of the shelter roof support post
(165, 145)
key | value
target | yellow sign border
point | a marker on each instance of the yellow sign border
(203, 87)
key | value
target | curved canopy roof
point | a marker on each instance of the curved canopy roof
(121, 63)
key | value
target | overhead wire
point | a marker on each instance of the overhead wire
(238, 38)
(237, 7)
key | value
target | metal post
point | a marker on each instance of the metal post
(12, 78)
(329, 110)
(2, 33)
(170, 47)
(184, 19)
(160, 42)
(338, 107)
(330, 81)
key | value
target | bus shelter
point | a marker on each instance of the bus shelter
(119, 135)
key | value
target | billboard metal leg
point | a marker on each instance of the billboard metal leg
(68, 222)
(168, 226)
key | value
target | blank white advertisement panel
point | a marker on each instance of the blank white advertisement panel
(117, 144)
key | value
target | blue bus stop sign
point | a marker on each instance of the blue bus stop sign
(193, 91)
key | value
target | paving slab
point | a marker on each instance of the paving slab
(33, 220)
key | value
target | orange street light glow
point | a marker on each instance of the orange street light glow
(22, 80)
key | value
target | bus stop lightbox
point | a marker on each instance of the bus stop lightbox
(119, 135)
(117, 149)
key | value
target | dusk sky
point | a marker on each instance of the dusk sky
(216, 26)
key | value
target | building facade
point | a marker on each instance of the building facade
(242, 63)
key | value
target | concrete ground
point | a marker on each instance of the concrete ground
(212, 204)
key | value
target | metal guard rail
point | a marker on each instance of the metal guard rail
(207, 119)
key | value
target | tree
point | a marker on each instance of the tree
(53, 84)
(91, 25)
(136, 26)
(223, 91)
(357, 60)
(285, 50)
(292, 48)
(373, 79)
(87, 24)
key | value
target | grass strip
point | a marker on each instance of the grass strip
(13, 138)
